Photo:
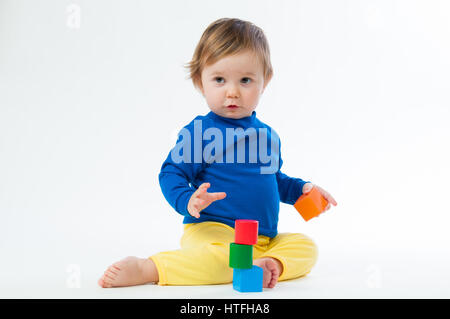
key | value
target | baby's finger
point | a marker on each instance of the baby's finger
(201, 190)
(203, 187)
(195, 207)
(217, 196)
(327, 196)
(331, 199)
(195, 212)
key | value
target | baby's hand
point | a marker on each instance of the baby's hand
(309, 186)
(202, 199)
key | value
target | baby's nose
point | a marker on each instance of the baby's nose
(232, 92)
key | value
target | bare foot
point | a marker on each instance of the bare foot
(272, 269)
(129, 271)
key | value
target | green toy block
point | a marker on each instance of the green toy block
(241, 256)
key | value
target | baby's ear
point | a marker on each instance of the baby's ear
(266, 82)
(200, 88)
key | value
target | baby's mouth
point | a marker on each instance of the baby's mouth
(232, 106)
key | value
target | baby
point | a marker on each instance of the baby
(213, 184)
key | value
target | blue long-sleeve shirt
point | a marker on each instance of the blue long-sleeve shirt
(240, 157)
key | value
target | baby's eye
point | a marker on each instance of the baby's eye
(218, 79)
(249, 80)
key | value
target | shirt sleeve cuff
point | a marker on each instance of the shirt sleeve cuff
(299, 189)
(183, 201)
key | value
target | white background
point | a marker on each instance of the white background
(92, 94)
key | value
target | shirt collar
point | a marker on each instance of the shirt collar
(242, 122)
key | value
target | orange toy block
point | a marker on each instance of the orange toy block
(311, 204)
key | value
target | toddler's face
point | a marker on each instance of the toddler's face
(234, 80)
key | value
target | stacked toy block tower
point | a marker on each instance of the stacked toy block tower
(246, 276)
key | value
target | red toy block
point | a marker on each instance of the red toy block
(246, 231)
(311, 204)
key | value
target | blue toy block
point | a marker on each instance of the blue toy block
(248, 280)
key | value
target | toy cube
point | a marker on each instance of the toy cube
(246, 231)
(248, 280)
(241, 256)
(311, 204)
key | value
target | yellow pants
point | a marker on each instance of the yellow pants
(203, 257)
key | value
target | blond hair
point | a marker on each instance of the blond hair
(225, 37)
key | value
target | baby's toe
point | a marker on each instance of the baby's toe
(112, 271)
(104, 282)
(117, 266)
(267, 276)
(273, 280)
(109, 276)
